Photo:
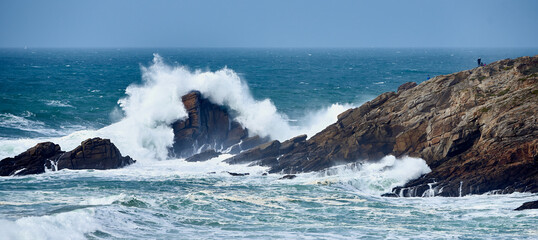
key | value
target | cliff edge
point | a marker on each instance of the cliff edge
(476, 129)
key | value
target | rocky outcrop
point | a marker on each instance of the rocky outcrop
(528, 205)
(95, 153)
(476, 129)
(208, 126)
(32, 161)
(267, 154)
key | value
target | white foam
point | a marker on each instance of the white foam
(58, 103)
(68, 225)
(371, 177)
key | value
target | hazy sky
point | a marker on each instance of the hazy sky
(275, 23)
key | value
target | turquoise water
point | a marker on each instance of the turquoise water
(68, 95)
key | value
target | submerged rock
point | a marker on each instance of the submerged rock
(95, 153)
(477, 130)
(528, 205)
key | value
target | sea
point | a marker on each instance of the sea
(131, 96)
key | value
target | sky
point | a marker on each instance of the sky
(275, 23)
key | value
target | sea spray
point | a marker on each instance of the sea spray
(371, 177)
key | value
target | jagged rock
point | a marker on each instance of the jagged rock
(247, 144)
(32, 161)
(267, 154)
(406, 86)
(95, 153)
(203, 156)
(477, 130)
(208, 126)
(265, 150)
(528, 205)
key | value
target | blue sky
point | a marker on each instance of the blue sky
(275, 23)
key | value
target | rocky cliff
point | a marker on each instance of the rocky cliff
(95, 153)
(476, 129)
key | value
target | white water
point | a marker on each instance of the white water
(144, 132)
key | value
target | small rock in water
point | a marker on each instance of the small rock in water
(288, 176)
(528, 205)
(238, 174)
(389, 195)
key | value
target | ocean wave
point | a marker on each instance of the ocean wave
(371, 178)
(67, 225)
(8, 120)
(58, 103)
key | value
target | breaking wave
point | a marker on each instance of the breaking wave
(150, 107)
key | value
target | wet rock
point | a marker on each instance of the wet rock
(288, 176)
(265, 150)
(208, 126)
(389, 195)
(32, 161)
(268, 153)
(528, 205)
(475, 129)
(93, 153)
(203, 156)
(238, 174)
(247, 144)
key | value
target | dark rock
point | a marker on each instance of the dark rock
(266, 162)
(247, 144)
(475, 129)
(203, 156)
(32, 161)
(208, 126)
(389, 195)
(93, 153)
(268, 153)
(288, 176)
(406, 86)
(262, 151)
(264, 174)
(528, 205)
(238, 174)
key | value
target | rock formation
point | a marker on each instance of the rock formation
(95, 153)
(476, 129)
(208, 126)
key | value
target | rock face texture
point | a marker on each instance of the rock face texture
(476, 129)
(208, 126)
(95, 153)
(267, 154)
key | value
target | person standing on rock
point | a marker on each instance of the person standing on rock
(479, 62)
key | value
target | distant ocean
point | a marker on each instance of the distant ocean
(132, 95)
